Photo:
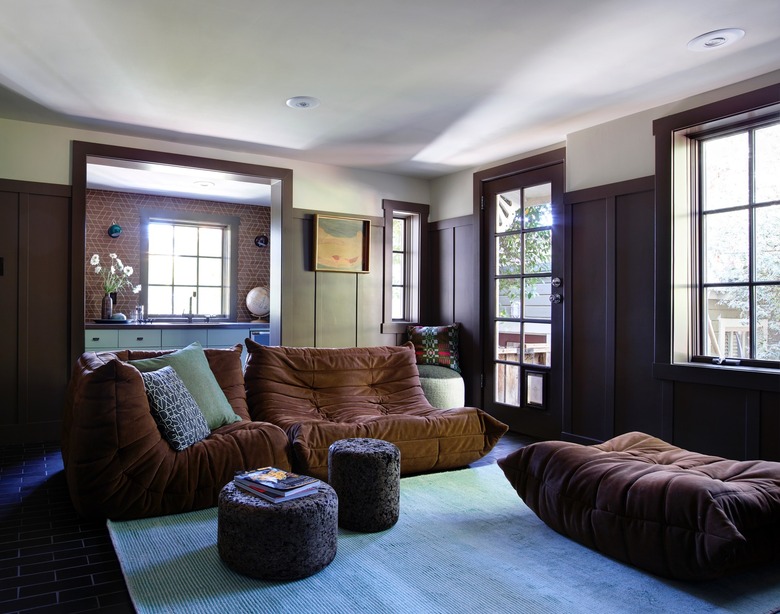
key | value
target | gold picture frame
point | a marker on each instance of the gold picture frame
(341, 244)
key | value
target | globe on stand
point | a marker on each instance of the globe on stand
(259, 303)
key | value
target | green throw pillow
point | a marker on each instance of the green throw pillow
(193, 369)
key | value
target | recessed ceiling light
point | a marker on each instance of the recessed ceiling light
(715, 39)
(303, 102)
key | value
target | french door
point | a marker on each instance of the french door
(522, 310)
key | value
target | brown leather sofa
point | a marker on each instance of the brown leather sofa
(119, 466)
(321, 395)
(645, 502)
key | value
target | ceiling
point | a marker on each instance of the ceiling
(415, 87)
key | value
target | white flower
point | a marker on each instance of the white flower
(114, 276)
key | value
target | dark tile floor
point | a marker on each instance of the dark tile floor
(51, 560)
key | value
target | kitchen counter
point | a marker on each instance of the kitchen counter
(132, 324)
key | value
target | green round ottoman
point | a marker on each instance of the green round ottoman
(442, 386)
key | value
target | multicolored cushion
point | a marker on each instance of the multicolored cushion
(436, 345)
(173, 408)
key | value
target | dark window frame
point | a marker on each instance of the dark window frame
(673, 354)
(751, 284)
(417, 264)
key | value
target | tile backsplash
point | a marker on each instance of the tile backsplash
(105, 208)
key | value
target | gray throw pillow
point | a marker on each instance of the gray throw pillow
(173, 408)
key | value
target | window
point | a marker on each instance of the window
(400, 274)
(721, 273)
(187, 266)
(739, 225)
(406, 231)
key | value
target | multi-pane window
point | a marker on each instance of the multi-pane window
(400, 273)
(405, 246)
(187, 269)
(739, 228)
(523, 236)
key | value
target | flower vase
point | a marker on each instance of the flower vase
(107, 308)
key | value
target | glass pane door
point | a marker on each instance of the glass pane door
(522, 275)
(523, 262)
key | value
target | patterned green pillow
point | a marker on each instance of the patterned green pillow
(173, 408)
(436, 345)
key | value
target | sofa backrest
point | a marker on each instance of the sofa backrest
(288, 385)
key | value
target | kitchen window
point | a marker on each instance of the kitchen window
(189, 265)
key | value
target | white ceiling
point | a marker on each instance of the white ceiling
(416, 87)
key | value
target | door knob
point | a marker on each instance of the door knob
(556, 282)
(556, 298)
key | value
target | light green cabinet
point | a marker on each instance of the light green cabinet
(149, 338)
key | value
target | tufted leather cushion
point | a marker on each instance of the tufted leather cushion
(119, 466)
(645, 502)
(321, 395)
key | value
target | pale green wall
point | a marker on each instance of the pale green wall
(614, 151)
(39, 152)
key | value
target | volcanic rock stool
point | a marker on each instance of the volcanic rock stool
(366, 475)
(277, 541)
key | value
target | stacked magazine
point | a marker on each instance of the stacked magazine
(276, 485)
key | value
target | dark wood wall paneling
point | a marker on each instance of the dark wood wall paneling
(35, 289)
(610, 387)
(452, 292)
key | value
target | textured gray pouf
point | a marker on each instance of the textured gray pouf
(366, 475)
(277, 541)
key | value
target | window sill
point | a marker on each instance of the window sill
(396, 327)
(719, 375)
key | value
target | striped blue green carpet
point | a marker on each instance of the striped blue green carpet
(465, 542)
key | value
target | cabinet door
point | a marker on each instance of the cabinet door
(96, 340)
(178, 338)
(134, 339)
(227, 337)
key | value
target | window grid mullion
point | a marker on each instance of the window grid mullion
(752, 315)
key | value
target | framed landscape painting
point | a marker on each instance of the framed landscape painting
(341, 244)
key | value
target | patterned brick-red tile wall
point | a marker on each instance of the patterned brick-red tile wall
(106, 207)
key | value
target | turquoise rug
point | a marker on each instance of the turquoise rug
(465, 542)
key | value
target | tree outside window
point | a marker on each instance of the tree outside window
(740, 247)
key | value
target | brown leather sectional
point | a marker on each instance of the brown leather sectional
(119, 466)
(645, 502)
(321, 395)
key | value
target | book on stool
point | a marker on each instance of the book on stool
(276, 485)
